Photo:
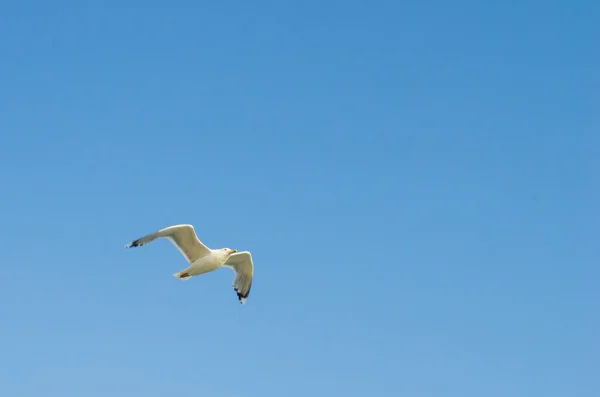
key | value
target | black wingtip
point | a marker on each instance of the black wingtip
(135, 243)
(242, 297)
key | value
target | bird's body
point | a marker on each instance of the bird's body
(202, 259)
(212, 261)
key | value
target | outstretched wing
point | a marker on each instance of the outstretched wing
(182, 236)
(241, 264)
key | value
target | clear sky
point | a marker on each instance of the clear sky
(417, 182)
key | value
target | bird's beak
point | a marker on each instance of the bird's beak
(233, 251)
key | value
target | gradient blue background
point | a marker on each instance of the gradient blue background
(417, 182)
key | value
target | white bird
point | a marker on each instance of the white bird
(203, 259)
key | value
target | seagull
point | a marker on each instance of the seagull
(203, 259)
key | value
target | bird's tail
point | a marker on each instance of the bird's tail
(182, 275)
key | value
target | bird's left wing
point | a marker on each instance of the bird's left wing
(182, 236)
(241, 264)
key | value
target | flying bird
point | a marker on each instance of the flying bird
(202, 259)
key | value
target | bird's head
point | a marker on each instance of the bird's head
(229, 251)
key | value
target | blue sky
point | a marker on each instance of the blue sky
(417, 182)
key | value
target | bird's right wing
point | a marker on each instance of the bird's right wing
(241, 264)
(182, 236)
